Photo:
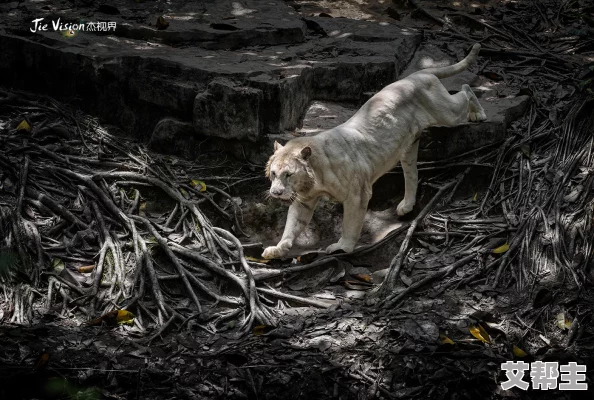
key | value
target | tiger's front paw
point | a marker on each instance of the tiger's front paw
(274, 252)
(404, 207)
(340, 245)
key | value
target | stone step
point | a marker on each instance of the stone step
(236, 72)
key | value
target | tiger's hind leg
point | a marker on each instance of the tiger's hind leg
(476, 112)
(455, 109)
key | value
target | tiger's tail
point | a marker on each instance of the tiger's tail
(450, 70)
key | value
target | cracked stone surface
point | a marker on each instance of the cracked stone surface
(238, 74)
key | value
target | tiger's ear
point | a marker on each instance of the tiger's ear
(306, 152)
(277, 146)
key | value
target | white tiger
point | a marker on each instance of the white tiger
(344, 162)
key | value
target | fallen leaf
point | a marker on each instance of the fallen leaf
(501, 249)
(23, 127)
(195, 183)
(475, 197)
(307, 258)
(362, 277)
(112, 318)
(68, 33)
(262, 329)
(480, 333)
(518, 352)
(57, 265)
(125, 317)
(445, 340)
(85, 269)
(563, 322)
(41, 361)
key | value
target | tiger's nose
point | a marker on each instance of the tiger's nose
(276, 192)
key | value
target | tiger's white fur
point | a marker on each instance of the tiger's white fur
(344, 162)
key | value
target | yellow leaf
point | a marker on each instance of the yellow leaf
(518, 352)
(445, 340)
(184, 193)
(475, 197)
(41, 361)
(562, 321)
(362, 277)
(113, 317)
(307, 258)
(262, 329)
(24, 126)
(202, 185)
(57, 265)
(125, 317)
(501, 249)
(480, 333)
(68, 33)
(258, 260)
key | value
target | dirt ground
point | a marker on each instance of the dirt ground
(474, 291)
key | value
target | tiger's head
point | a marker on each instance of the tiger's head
(290, 172)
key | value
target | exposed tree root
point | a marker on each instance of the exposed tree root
(81, 200)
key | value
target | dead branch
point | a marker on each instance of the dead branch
(390, 281)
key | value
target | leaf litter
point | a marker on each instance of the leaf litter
(427, 345)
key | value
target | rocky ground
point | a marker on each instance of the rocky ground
(494, 264)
